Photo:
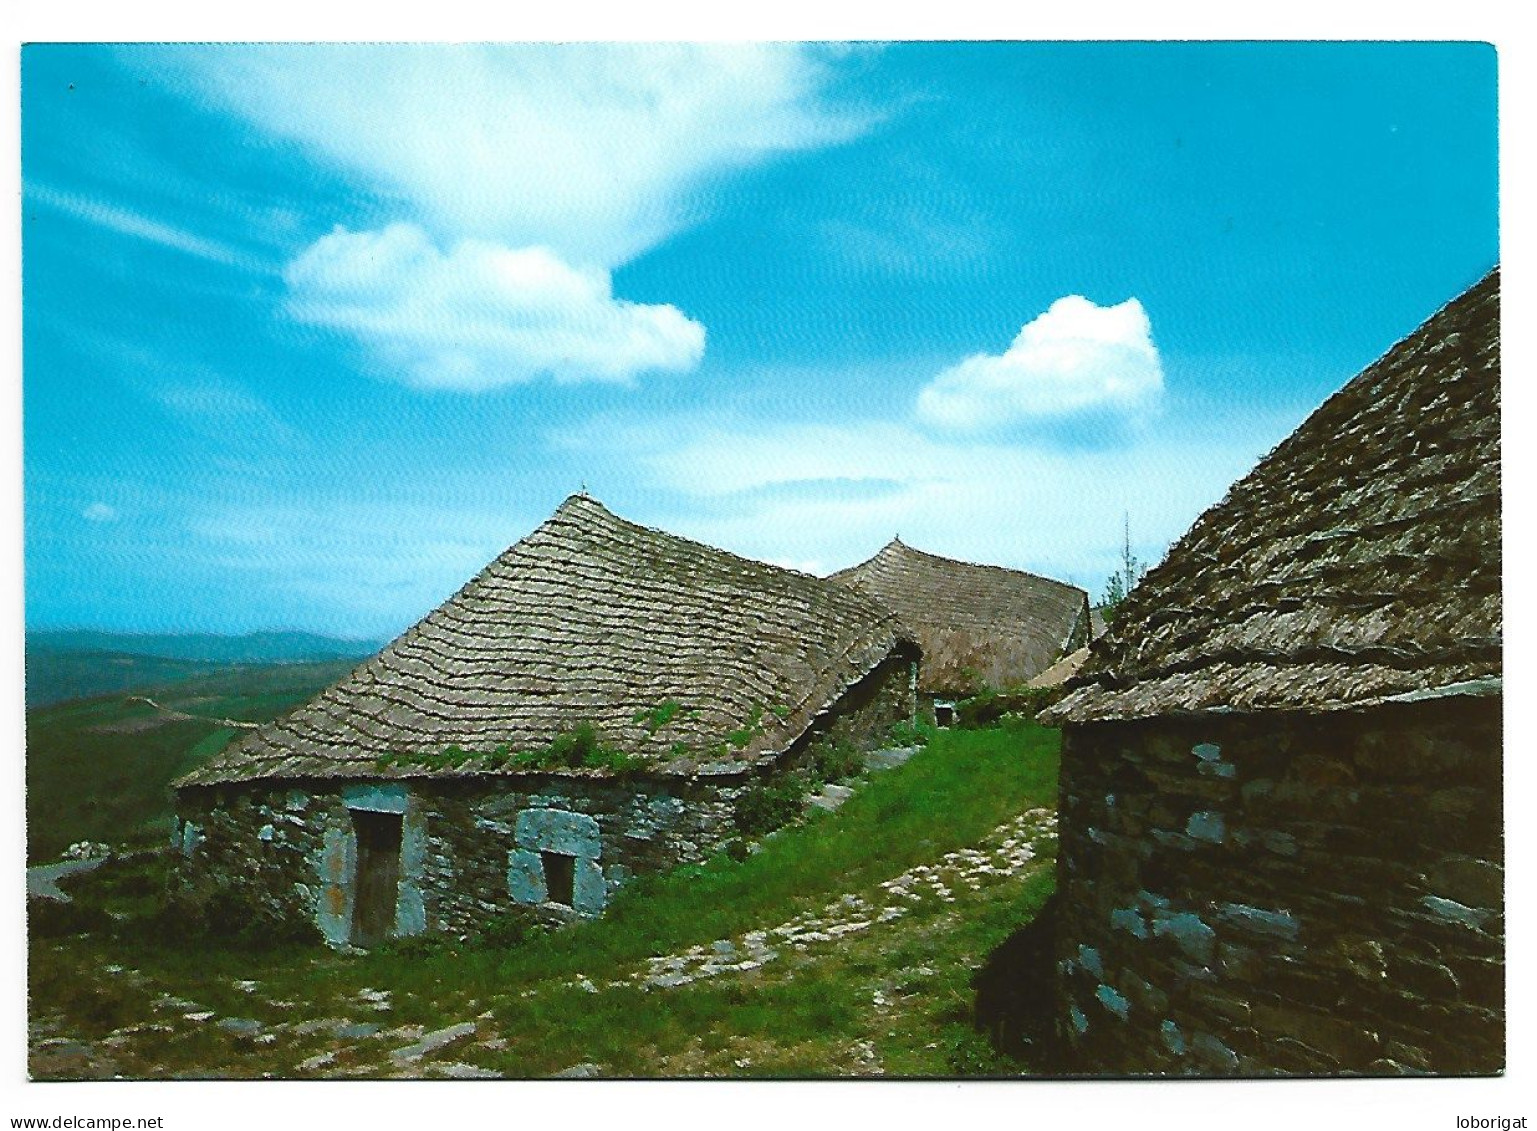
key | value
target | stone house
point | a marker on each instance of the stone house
(587, 708)
(1281, 842)
(981, 627)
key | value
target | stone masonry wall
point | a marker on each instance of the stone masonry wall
(1284, 894)
(484, 841)
(868, 711)
(260, 850)
(473, 848)
(292, 850)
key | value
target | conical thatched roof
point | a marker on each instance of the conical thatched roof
(1358, 562)
(693, 658)
(980, 626)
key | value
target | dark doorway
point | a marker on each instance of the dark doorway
(559, 877)
(378, 878)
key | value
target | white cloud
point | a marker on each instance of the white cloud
(539, 168)
(128, 223)
(596, 151)
(764, 490)
(99, 512)
(482, 315)
(1076, 358)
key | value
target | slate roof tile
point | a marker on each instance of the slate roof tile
(1359, 561)
(589, 620)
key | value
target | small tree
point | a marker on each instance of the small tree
(1125, 577)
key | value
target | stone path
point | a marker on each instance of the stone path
(42, 879)
(368, 1048)
(1001, 854)
(891, 758)
(173, 715)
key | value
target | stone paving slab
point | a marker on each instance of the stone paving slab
(1002, 853)
(432, 1042)
(890, 759)
(42, 879)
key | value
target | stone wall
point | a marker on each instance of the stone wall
(485, 840)
(867, 712)
(470, 848)
(1284, 894)
(263, 849)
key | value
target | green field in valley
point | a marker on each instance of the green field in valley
(99, 769)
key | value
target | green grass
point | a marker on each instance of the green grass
(800, 1025)
(801, 1015)
(99, 769)
(949, 795)
(87, 784)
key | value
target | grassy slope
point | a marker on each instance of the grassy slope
(897, 996)
(98, 769)
(947, 797)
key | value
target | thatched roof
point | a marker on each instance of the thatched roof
(980, 626)
(693, 658)
(1359, 562)
(1063, 670)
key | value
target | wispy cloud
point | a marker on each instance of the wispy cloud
(760, 490)
(596, 151)
(222, 409)
(127, 222)
(480, 315)
(100, 512)
(1075, 358)
(537, 168)
(731, 457)
(200, 395)
(350, 565)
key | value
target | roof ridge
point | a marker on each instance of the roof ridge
(661, 532)
(896, 545)
(595, 619)
(980, 625)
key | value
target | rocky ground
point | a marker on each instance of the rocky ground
(146, 1029)
(43, 879)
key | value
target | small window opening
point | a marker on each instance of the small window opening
(944, 714)
(559, 877)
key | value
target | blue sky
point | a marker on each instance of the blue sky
(312, 333)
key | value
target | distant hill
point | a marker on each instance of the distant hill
(252, 648)
(98, 768)
(79, 663)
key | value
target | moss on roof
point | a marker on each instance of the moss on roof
(686, 657)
